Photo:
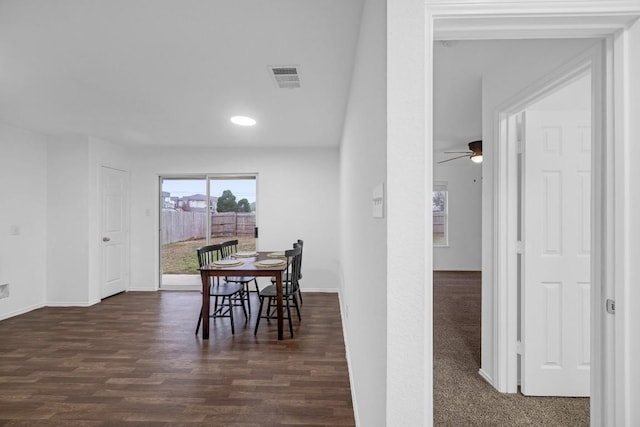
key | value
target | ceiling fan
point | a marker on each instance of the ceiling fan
(474, 153)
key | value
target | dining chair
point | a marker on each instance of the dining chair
(224, 293)
(290, 289)
(229, 248)
(301, 244)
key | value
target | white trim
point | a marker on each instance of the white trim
(23, 310)
(72, 303)
(320, 290)
(621, 269)
(486, 376)
(343, 320)
(565, 19)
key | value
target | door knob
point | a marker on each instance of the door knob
(106, 239)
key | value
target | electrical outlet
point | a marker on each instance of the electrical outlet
(4, 291)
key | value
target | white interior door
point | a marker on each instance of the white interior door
(114, 232)
(556, 207)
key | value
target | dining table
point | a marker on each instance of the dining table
(246, 266)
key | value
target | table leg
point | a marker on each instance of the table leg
(279, 304)
(205, 305)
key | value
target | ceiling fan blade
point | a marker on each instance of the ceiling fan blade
(454, 158)
(458, 152)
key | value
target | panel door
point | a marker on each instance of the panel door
(114, 227)
(556, 284)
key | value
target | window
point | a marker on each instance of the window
(440, 207)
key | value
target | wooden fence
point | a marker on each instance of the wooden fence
(178, 225)
(439, 222)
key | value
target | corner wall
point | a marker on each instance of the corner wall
(363, 239)
(23, 219)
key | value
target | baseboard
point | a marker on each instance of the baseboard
(486, 377)
(346, 351)
(323, 290)
(141, 289)
(72, 303)
(21, 311)
(189, 288)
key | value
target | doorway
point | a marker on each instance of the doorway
(199, 210)
(475, 52)
(613, 275)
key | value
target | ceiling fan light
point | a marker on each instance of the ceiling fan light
(476, 158)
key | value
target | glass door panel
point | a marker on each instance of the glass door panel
(183, 228)
(234, 210)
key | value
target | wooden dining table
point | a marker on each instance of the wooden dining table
(247, 268)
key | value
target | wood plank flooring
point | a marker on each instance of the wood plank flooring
(134, 360)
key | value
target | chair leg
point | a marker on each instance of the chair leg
(246, 319)
(269, 309)
(255, 332)
(300, 295)
(289, 318)
(295, 302)
(199, 321)
(245, 292)
(230, 305)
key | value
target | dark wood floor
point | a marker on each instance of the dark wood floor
(134, 360)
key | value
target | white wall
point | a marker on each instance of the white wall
(536, 59)
(464, 185)
(67, 221)
(297, 199)
(23, 176)
(409, 246)
(363, 239)
(73, 220)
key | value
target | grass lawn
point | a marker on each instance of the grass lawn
(180, 257)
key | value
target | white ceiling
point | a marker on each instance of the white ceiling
(172, 72)
(457, 85)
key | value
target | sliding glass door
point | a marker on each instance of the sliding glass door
(199, 210)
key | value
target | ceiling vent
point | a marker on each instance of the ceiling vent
(286, 77)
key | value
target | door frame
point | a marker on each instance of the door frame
(561, 19)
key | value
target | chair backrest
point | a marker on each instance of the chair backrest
(209, 254)
(229, 248)
(294, 257)
(300, 243)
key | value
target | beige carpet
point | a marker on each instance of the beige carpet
(461, 396)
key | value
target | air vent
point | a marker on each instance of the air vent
(285, 77)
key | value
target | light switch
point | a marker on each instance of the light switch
(378, 201)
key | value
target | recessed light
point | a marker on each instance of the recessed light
(243, 121)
